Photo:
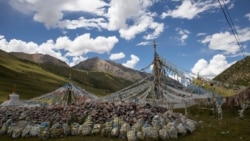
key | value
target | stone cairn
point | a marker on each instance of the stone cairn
(107, 119)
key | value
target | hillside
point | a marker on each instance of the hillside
(96, 64)
(39, 58)
(33, 79)
(237, 74)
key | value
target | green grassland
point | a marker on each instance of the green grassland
(210, 128)
(238, 73)
(32, 79)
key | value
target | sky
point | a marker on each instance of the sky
(192, 34)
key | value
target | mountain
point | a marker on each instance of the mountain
(33, 79)
(118, 70)
(39, 58)
(238, 73)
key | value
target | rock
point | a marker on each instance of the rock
(5, 126)
(140, 136)
(131, 135)
(26, 130)
(75, 128)
(45, 124)
(156, 123)
(97, 129)
(123, 130)
(22, 116)
(172, 131)
(115, 131)
(56, 132)
(44, 133)
(11, 128)
(138, 125)
(66, 129)
(163, 134)
(34, 130)
(85, 130)
(181, 129)
(191, 125)
(4, 129)
(17, 132)
(106, 131)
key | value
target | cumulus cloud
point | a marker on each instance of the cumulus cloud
(132, 62)
(98, 23)
(75, 48)
(143, 23)
(184, 33)
(109, 15)
(51, 12)
(117, 56)
(143, 43)
(248, 16)
(212, 68)
(226, 41)
(84, 43)
(189, 9)
(76, 60)
(142, 20)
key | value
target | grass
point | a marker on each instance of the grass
(230, 128)
(32, 79)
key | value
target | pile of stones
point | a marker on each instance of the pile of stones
(105, 118)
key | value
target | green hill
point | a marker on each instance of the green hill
(237, 74)
(231, 81)
(34, 79)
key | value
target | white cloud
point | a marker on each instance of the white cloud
(117, 56)
(212, 68)
(189, 9)
(76, 60)
(128, 17)
(142, 24)
(184, 33)
(75, 48)
(201, 34)
(134, 22)
(98, 23)
(248, 16)
(143, 43)
(51, 12)
(132, 62)
(226, 41)
(84, 43)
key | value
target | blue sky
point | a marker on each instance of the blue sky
(192, 34)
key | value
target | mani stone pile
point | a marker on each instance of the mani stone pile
(107, 119)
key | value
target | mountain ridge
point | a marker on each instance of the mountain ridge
(39, 58)
(238, 73)
(97, 64)
(34, 79)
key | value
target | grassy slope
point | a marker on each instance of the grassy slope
(30, 80)
(238, 73)
(33, 79)
(230, 128)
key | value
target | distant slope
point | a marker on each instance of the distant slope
(34, 79)
(99, 65)
(39, 58)
(238, 73)
(30, 79)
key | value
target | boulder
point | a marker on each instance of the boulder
(26, 130)
(34, 130)
(17, 132)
